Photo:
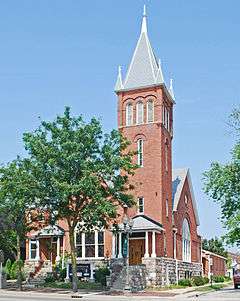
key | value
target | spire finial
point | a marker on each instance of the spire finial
(144, 20)
(119, 84)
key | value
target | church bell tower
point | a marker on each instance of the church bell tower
(145, 118)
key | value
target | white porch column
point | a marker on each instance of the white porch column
(37, 249)
(83, 245)
(146, 255)
(153, 244)
(113, 246)
(63, 256)
(67, 273)
(91, 271)
(58, 249)
(96, 244)
(174, 245)
(120, 245)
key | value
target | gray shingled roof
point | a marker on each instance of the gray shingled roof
(179, 177)
(144, 69)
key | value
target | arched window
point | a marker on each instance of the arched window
(150, 111)
(139, 112)
(129, 114)
(140, 152)
(186, 241)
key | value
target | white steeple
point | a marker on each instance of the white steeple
(119, 84)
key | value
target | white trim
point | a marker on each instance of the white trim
(120, 245)
(96, 243)
(153, 244)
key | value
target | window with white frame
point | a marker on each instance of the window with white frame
(186, 241)
(140, 205)
(140, 113)
(90, 244)
(140, 152)
(129, 114)
(32, 249)
(150, 111)
(166, 118)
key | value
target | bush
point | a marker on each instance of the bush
(227, 278)
(184, 282)
(198, 280)
(50, 278)
(8, 266)
(218, 278)
(100, 275)
(14, 270)
(206, 280)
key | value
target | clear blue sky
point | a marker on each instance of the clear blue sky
(57, 53)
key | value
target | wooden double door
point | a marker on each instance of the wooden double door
(136, 251)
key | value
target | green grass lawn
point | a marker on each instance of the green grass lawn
(214, 287)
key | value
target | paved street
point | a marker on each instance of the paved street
(227, 294)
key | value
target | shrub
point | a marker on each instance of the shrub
(185, 282)
(206, 280)
(218, 278)
(198, 280)
(227, 278)
(14, 270)
(49, 278)
(8, 266)
(100, 275)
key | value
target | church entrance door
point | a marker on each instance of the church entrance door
(136, 251)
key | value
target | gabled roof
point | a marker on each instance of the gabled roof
(179, 176)
(144, 69)
(51, 230)
(143, 222)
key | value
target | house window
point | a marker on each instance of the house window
(140, 152)
(129, 114)
(186, 199)
(166, 158)
(141, 205)
(90, 244)
(166, 118)
(33, 249)
(186, 241)
(139, 112)
(150, 111)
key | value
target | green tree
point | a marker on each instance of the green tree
(77, 169)
(222, 184)
(16, 195)
(214, 245)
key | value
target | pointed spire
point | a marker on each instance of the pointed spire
(119, 84)
(144, 20)
(171, 91)
(159, 77)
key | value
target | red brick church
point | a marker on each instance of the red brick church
(164, 235)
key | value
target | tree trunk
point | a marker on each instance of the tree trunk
(74, 260)
(19, 264)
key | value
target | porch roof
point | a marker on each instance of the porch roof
(144, 223)
(50, 230)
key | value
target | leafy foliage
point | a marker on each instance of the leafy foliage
(222, 184)
(185, 282)
(214, 245)
(101, 274)
(79, 174)
(218, 278)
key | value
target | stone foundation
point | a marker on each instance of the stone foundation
(163, 271)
